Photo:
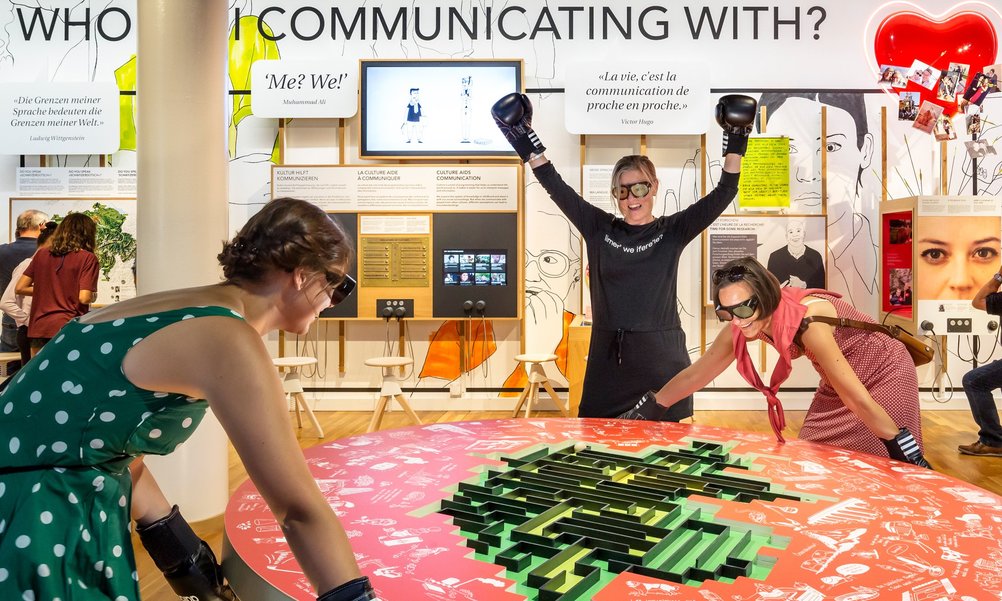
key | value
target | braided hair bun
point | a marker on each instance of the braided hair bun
(287, 233)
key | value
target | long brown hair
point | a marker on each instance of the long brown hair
(76, 231)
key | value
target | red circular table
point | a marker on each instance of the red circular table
(612, 510)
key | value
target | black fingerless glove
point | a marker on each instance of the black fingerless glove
(647, 408)
(904, 447)
(358, 589)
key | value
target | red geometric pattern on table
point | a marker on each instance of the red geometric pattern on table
(874, 529)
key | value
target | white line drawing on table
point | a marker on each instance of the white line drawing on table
(836, 543)
(845, 572)
(848, 511)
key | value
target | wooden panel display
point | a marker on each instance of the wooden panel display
(394, 261)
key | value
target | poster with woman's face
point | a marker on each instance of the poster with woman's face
(957, 254)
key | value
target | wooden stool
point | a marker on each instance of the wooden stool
(390, 388)
(294, 388)
(537, 377)
(5, 360)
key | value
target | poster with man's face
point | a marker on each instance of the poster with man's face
(791, 247)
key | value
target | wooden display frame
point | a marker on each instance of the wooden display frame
(108, 292)
(421, 295)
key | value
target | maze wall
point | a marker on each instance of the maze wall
(565, 522)
(609, 510)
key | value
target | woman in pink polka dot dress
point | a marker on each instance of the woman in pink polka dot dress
(126, 380)
(867, 399)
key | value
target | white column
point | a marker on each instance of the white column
(182, 192)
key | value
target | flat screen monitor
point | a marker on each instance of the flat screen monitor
(474, 267)
(417, 108)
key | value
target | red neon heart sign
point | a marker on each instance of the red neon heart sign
(968, 38)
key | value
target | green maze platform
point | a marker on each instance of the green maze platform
(565, 523)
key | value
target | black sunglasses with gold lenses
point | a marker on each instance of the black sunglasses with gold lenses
(638, 190)
(742, 310)
(342, 287)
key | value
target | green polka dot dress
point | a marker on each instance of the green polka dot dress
(70, 425)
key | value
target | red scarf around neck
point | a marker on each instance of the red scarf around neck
(785, 324)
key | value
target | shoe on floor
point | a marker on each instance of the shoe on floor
(979, 448)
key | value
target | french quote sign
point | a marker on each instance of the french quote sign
(59, 118)
(637, 97)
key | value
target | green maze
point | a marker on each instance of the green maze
(564, 523)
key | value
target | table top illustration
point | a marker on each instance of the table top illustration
(612, 510)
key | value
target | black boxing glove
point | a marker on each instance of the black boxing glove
(904, 447)
(188, 564)
(513, 114)
(358, 589)
(647, 408)
(735, 114)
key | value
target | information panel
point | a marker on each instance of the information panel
(465, 188)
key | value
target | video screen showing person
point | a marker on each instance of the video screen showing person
(474, 267)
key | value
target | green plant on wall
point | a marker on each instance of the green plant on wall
(125, 77)
(244, 49)
(113, 244)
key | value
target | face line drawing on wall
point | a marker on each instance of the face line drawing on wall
(852, 241)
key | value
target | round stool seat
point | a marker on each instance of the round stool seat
(536, 379)
(293, 361)
(535, 357)
(389, 361)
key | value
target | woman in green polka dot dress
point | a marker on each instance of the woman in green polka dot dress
(128, 380)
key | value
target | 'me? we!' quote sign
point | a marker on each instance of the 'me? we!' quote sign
(619, 97)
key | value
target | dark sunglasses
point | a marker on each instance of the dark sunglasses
(342, 287)
(742, 310)
(733, 274)
(639, 190)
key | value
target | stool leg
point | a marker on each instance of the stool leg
(301, 400)
(291, 400)
(556, 399)
(407, 409)
(533, 397)
(521, 399)
(377, 414)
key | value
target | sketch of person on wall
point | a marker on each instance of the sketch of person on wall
(852, 239)
(552, 280)
(797, 265)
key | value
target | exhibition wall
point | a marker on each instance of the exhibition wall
(579, 63)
